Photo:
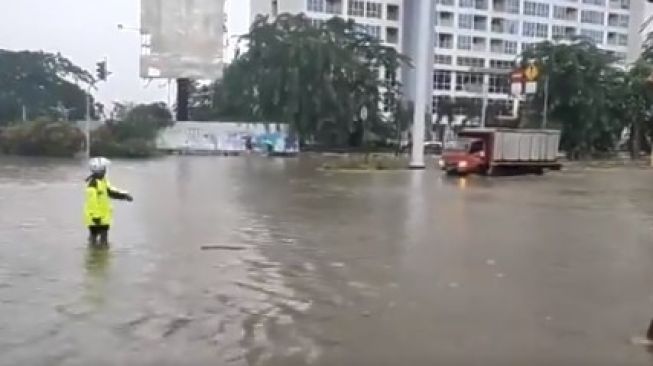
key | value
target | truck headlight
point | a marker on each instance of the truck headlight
(462, 164)
(441, 163)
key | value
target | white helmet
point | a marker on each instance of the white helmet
(98, 165)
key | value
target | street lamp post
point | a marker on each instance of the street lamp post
(423, 65)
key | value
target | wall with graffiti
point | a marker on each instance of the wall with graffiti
(223, 137)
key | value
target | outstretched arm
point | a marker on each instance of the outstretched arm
(118, 194)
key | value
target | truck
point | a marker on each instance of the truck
(495, 150)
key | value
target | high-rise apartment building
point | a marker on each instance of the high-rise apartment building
(474, 37)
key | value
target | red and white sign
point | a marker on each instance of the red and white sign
(517, 82)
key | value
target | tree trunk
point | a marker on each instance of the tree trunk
(635, 140)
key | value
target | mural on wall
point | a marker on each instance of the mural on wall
(228, 138)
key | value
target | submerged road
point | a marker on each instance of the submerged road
(254, 261)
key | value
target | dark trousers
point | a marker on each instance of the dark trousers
(98, 234)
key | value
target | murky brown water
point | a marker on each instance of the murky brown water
(323, 268)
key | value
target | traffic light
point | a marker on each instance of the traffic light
(102, 70)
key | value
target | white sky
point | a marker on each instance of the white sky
(86, 31)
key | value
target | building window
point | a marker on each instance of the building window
(315, 5)
(393, 12)
(442, 80)
(509, 26)
(594, 2)
(465, 21)
(356, 8)
(593, 35)
(479, 44)
(334, 7)
(466, 3)
(565, 13)
(618, 20)
(446, 2)
(444, 40)
(622, 39)
(444, 19)
(592, 17)
(470, 61)
(481, 4)
(442, 59)
(464, 42)
(480, 23)
(317, 23)
(535, 30)
(468, 81)
(374, 10)
(501, 64)
(498, 84)
(536, 9)
(620, 4)
(371, 30)
(512, 6)
(510, 47)
(559, 31)
(439, 100)
(392, 35)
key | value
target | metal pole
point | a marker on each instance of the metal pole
(423, 80)
(88, 124)
(545, 113)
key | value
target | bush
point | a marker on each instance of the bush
(119, 140)
(42, 138)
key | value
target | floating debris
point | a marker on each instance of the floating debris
(222, 247)
(491, 262)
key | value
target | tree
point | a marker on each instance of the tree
(41, 83)
(309, 76)
(584, 97)
(135, 134)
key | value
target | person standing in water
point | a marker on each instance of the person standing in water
(98, 213)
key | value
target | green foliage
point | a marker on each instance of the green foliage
(135, 135)
(310, 76)
(40, 138)
(41, 82)
(588, 94)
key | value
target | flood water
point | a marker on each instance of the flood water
(255, 261)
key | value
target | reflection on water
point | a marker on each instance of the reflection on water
(330, 269)
(97, 263)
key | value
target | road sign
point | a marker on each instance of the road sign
(517, 76)
(531, 87)
(531, 73)
(517, 88)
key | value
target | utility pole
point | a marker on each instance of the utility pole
(183, 96)
(423, 67)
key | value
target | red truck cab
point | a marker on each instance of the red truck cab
(465, 155)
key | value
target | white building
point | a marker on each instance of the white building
(471, 35)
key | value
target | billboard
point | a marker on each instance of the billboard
(182, 39)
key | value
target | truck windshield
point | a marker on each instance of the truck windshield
(464, 144)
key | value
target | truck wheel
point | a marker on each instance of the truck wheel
(539, 171)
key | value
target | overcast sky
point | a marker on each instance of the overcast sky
(86, 31)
